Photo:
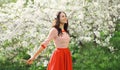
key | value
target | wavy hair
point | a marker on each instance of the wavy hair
(57, 23)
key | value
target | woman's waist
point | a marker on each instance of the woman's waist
(62, 48)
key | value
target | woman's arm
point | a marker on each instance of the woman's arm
(30, 61)
(51, 35)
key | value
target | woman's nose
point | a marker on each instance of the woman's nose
(65, 18)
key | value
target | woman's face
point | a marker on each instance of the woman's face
(63, 18)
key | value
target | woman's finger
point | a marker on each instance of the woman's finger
(30, 61)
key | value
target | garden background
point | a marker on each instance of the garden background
(94, 27)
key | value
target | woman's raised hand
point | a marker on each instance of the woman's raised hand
(30, 61)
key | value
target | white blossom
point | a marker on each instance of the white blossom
(31, 23)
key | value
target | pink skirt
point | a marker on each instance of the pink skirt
(60, 60)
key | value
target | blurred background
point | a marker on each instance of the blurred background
(94, 27)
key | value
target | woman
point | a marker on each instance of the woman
(61, 57)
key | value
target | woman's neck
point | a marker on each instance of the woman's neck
(62, 26)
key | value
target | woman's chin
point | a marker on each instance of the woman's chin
(65, 22)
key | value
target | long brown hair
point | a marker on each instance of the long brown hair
(57, 23)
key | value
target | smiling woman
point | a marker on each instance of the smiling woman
(61, 58)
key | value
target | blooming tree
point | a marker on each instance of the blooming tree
(28, 22)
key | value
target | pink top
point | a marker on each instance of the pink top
(61, 41)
